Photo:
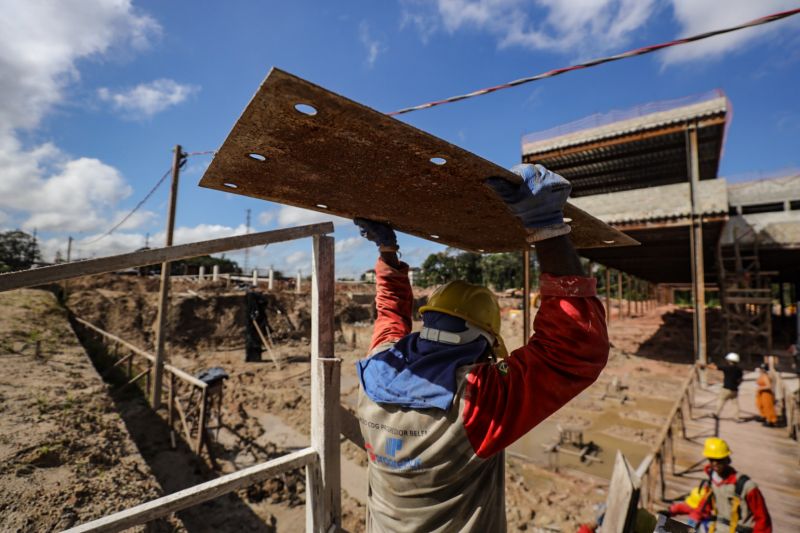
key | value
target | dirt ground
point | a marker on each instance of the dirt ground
(266, 413)
(65, 454)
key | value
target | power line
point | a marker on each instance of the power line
(147, 196)
(599, 61)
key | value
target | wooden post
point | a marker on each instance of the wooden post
(526, 295)
(163, 296)
(215, 273)
(698, 272)
(255, 276)
(171, 409)
(619, 294)
(608, 296)
(323, 490)
(201, 422)
(628, 283)
(201, 273)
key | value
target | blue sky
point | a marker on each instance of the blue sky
(97, 92)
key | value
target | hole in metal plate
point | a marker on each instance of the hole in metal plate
(306, 109)
(230, 185)
(567, 220)
(322, 206)
(609, 242)
(257, 157)
(438, 160)
(434, 236)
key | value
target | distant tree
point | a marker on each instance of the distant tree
(502, 271)
(18, 251)
(226, 266)
(437, 269)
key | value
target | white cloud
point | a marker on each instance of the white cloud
(592, 27)
(297, 261)
(40, 41)
(265, 217)
(147, 99)
(578, 26)
(373, 46)
(40, 45)
(72, 197)
(296, 216)
(697, 16)
(349, 244)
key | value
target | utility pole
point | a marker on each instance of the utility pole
(69, 248)
(147, 240)
(247, 250)
(163, 296)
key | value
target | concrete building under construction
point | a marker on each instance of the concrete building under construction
(652, 172)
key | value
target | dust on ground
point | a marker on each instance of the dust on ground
(266, 413)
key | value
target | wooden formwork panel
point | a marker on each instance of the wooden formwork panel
(352, 161)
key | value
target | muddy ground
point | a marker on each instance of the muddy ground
(266, 413)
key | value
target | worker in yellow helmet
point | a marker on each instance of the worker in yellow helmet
(735, 502)
(438, 407)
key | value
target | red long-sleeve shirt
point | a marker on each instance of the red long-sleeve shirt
(758, 517)
(504, 401)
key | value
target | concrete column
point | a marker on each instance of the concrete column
(255, 276)
(271, 279)
(299, 282)
(201, 275)
(215, 273)
(698, 272)
(411, 277)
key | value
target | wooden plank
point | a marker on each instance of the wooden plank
(203, 492)
(324, 507)
(623, 497)
(50, 274)
(177, 371)
(347, 159)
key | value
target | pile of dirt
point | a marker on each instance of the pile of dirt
(65, 454)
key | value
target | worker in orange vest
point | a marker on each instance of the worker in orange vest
(735, 502)
(765, 397)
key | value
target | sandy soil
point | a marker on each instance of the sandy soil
(265, 411)
(65, 455)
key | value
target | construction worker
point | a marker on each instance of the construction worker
(765, 397)
(438, 407)
(735, 503)
(732, 378)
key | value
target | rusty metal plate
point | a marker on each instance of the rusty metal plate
(352, 161)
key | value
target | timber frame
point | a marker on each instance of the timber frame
(320, 460)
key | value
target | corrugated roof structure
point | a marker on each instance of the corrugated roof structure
(631, 169)
(632, 149)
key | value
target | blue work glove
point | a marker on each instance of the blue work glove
(379, 233)
(692, 523)
(538, 201)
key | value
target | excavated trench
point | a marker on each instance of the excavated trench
(266, 414)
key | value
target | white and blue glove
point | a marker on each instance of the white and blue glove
(538, 201)
(378, 232)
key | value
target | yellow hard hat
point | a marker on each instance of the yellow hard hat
(696, 496)
(474, 303)
(716, 448)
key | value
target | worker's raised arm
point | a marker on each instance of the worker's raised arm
(393, 296)
(570, 345)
